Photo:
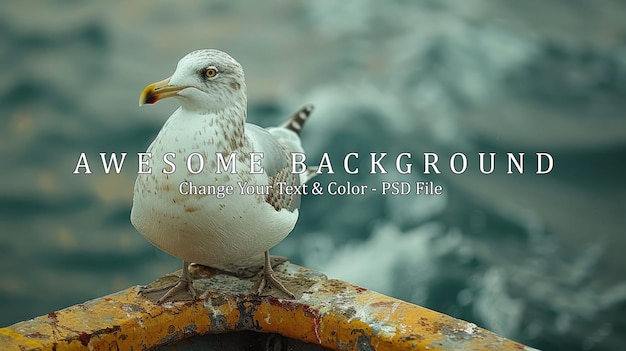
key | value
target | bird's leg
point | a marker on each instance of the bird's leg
(267, 276)
(183, 283)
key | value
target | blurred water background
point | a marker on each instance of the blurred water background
(536, 258)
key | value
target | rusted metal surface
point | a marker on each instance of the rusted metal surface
(332, 313)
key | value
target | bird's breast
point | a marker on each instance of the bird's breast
(201, 204)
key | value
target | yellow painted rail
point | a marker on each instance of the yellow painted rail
(327, 312)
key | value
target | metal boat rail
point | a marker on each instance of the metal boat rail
(329, 313)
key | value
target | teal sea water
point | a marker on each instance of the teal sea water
(536, 258)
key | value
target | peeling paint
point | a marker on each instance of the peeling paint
(363, 341)
(470, 328)
(317, 322)
(190, 330)
(218, 322)
(331, 313)
(246, 315)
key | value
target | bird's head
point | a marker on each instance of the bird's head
(205, 80)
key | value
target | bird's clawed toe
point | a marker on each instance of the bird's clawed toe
(268, 277)
(183, 284)
(169, 291)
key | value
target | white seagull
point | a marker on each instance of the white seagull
(207, 229)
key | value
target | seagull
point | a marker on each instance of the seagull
(207, 229)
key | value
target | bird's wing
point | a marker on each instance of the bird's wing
(288, 134)
(276, 163)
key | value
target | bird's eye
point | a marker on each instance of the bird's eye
(210, 72)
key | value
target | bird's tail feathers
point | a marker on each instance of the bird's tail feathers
(296, 122)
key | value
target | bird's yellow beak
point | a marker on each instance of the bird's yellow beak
(158, 91)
